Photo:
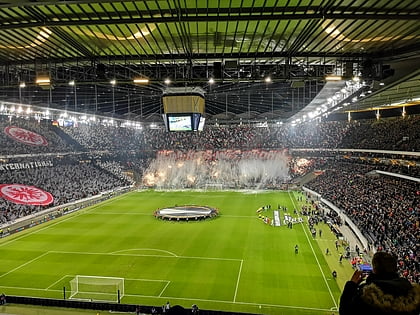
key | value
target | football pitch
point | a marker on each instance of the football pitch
(234, 262)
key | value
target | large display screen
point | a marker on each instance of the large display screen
(180, 122)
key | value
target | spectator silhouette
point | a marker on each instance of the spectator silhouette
(383, 292)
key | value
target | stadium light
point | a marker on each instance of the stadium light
(141, 80)
(333, 77)
(43, 79)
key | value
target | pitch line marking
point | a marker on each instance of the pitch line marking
(230, 302)
(237, 216)
(124, 213)
(23, 265)
(190, 299)
(29, 289)
(144, 255)
(149, 280)
(164, 288)
(65, 276)
(237, 281)
(316, 258)
(210, 258)
(141, 249)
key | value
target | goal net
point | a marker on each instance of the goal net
(95, 288)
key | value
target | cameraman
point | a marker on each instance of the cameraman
(382, 292)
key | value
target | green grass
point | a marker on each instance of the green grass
(234, 262)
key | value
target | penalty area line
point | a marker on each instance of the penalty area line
(164, 288)
(54, 283)
(23, 265)
(237, 281)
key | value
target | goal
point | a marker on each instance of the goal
(96, 288)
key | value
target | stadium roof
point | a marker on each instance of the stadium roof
(238, 43)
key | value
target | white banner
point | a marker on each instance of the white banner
(25, 165)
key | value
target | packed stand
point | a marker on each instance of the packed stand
(116, 169)
(66, 179)
(111, 138)
(386, 209)
(388, 134)
(13, 144)
(400, 134)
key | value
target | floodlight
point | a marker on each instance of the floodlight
(141, 80)
(333, 77)
(43, 79)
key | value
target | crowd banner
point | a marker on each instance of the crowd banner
(25, 165)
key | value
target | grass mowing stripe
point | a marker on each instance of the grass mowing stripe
(23, 265)
(237, 282)
(316, 258)
(163, 290)
(29, 289)
(71, 216)
(63, 277)
(232, 263)
(143, 255)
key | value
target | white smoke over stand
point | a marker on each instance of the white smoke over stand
(255, 169)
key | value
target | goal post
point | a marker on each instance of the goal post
(97, 288)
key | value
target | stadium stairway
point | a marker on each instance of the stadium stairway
(67, 138)
(305, 178)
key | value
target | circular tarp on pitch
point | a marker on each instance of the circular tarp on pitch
(186, 213)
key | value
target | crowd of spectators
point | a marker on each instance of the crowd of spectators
(389, 134)
(111, 138)
(117, 156)
(10, 146)
(385, 208)
(399, 134)
(116, 169)
(67, 180)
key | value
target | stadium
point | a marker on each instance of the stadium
(214, 157)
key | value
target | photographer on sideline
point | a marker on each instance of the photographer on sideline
(382, 292)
